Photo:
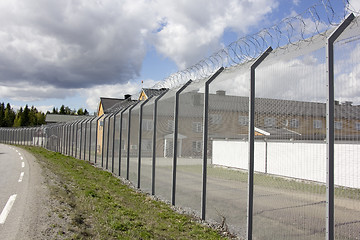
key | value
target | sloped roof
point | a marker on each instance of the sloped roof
(191, 104)
(107, 103)
(149, 92)
(121, 105)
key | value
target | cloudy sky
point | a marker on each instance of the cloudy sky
(72, 52)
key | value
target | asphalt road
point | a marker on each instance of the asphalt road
(278, 213)
(21, 188)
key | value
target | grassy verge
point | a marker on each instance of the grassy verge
(270, 181)
(99, 206)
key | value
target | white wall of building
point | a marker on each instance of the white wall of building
(302, 160)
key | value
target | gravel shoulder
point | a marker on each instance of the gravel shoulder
(40, 218)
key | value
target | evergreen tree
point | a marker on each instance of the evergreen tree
(9, 116)
(62, 110)
(32, 116)
(18, 121)
(80, 111)
(2, 115)
(25, 120)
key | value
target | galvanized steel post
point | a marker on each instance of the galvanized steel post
(251, 139)
(330, 138)
(205, 141)
(139, 140)
(175, 138)
(154, 142)
(128, 143)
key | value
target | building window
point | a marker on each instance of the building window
(269, 122)
(294, 123)
(317, 124)
(197, 146)
(243, 120)
(357, 126)
(147, 124)
(171, 125)
(338, 125)
(215, 118)
(197, 127)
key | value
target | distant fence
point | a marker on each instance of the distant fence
(169, 144)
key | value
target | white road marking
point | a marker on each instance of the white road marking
(19, 154)
(7, 208)
(21, 177)
(22, 164)
(21, 158)
(17, 151)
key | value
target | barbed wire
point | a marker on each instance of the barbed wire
(289, 32)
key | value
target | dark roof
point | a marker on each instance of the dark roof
(191, 104)
(107, 103)
(121, 105)
(149, 92)
(56, 118)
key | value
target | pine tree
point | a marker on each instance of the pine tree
(2, 115)
(25, 120)
(9, 116)
(62, 110)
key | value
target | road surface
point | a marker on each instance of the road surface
(22, 193)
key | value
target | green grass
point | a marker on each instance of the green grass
(270, 181)
(101, 207)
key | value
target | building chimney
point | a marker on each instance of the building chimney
(127, 96)
(220, 92)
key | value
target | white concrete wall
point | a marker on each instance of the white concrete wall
(293, 159)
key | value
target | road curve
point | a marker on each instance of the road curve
(22, 194)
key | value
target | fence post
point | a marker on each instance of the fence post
(76, 137)
(86, 121)
(81, 138)
(330, 138)
(154, 142)
(113, 142)
(139, 140)
(120, 139)
(205, 142)
(90, 137)
(251, 139)
(96, 136)
(128, 142)
(72, 132)
(175, 138)
(108, 137)
(103, 139)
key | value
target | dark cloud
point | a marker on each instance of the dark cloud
(70, 44)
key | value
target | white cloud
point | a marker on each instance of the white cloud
(192, 30)
(354, 5)
(93, 95)
(56, 49)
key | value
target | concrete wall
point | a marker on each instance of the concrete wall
(302, 160)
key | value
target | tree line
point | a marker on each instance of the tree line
(23, 117)
(67, 111)
(26, 116)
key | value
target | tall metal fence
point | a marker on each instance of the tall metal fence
(269, 148)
